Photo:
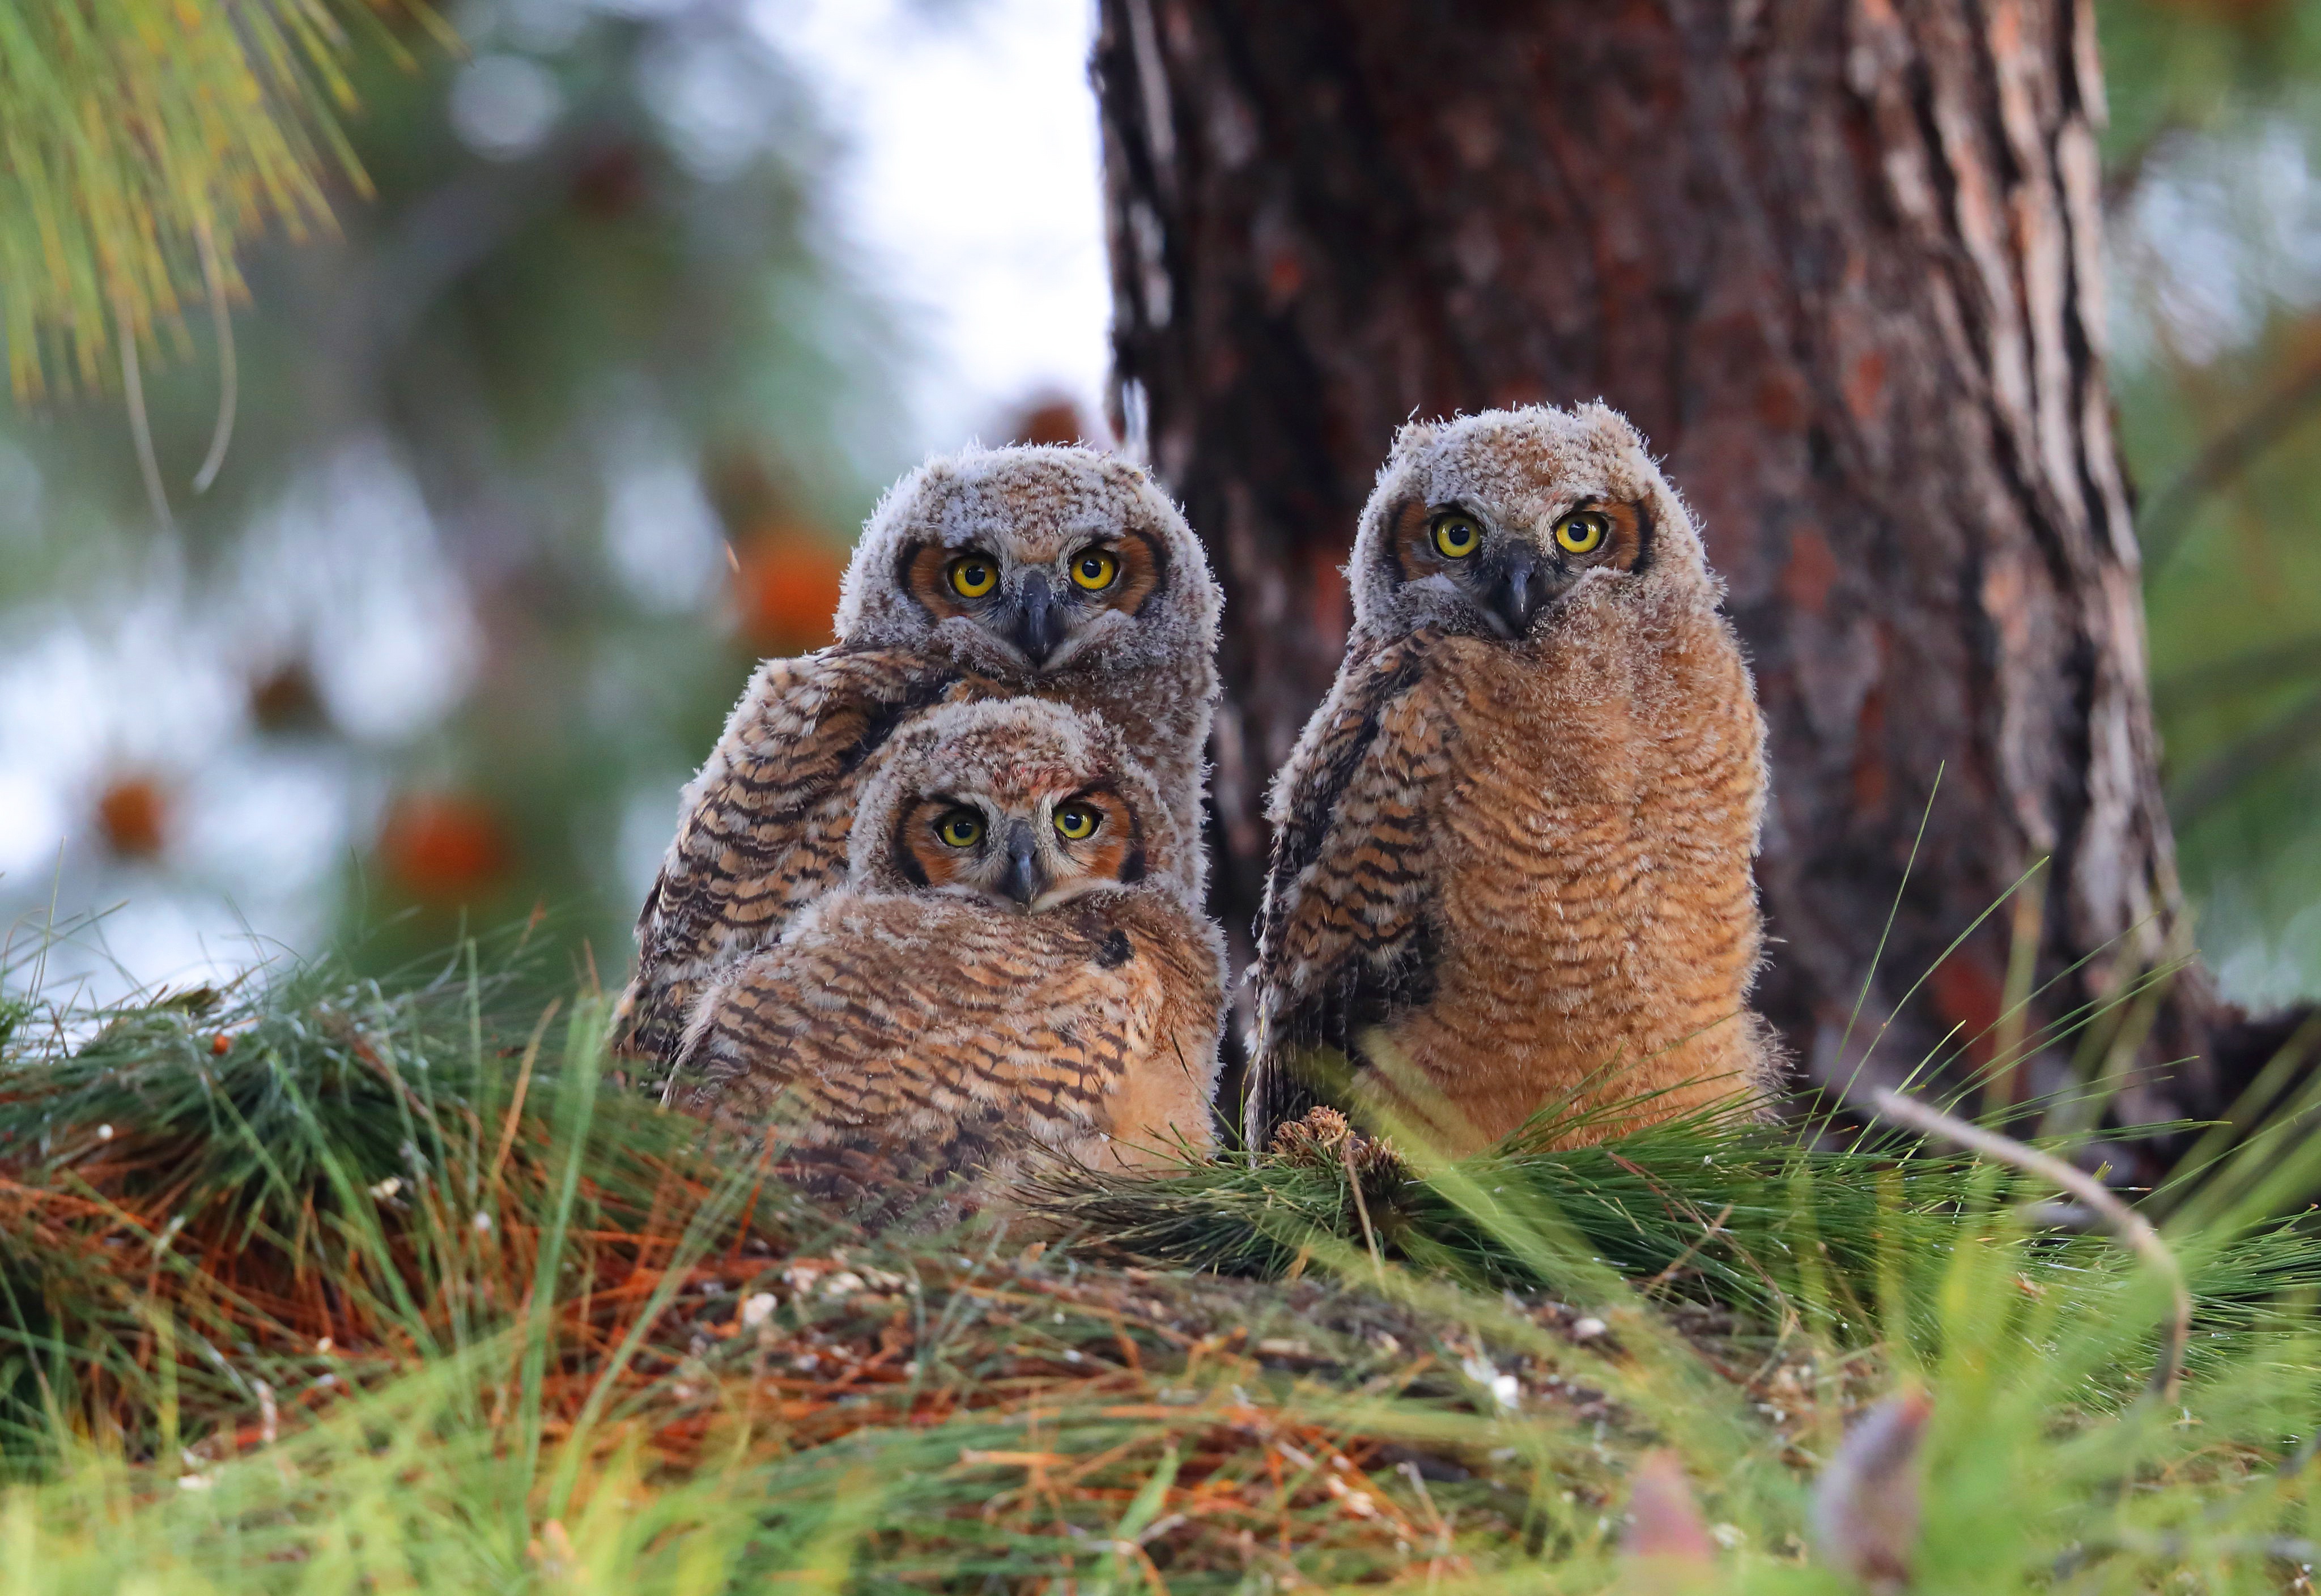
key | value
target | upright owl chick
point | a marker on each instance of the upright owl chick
(1015, 962)
(1053, 572)
(1512, 848)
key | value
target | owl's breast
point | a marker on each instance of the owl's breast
(1594, 906)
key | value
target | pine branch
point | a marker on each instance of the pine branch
(141, 138)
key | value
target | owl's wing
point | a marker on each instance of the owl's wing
(1344, 939)
(764, 826)
(897, 1041)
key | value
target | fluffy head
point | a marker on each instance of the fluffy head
(1026, 561)
(1022, 802)
(1485, 525)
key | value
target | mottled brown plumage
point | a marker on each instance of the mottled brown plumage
(765, 824)
(993, 982)
(1513, 855)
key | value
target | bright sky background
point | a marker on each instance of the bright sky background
(970, 189)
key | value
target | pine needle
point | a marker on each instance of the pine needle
(320, 1283)
(146, 140)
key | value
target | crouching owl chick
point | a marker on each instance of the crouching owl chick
(1052, 572)
(1014, 963)
(1511, 851)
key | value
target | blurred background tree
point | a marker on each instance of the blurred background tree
(2213, 193)
(562, 386)
(574, 408)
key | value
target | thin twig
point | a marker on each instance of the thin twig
(229, 374)
(140, 429)
(1378, 1259)
(1710, 1231)
(2130, 1228)
(515, 1100)
(2228, 771)
(2225, 457)
(2254, 669)
(2124, 180)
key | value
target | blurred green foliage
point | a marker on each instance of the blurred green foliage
(567, 420)
(2214, 190)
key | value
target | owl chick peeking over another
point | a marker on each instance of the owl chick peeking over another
(1512, 856)
(1051, 572)
(1015, 962)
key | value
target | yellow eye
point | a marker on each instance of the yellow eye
(1581, 533)
(962, 828)
(1077, 822)
(973, 575)
(1457, 536)
(1094, 569)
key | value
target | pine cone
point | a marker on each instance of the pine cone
(1323, 1140)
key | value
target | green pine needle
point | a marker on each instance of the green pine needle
(571, 1348)
(142, 142)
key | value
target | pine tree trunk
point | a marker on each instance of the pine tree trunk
(1839, 260)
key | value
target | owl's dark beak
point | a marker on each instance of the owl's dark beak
(1023, 881)
(1519, 592)
(1039, 619)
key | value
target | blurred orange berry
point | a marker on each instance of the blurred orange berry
(132, 814)
(786, 570)
(442, 847)
(285, 700)
(612, 182)
(1051, 421)
(786, 583)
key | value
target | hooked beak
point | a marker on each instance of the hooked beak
(1039, 627)
(1520, 592)
(1022, 880)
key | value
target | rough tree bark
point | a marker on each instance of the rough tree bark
(1839, 260)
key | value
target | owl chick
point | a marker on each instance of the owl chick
(1052, 572)
(1512, 850)
(1014, 963)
